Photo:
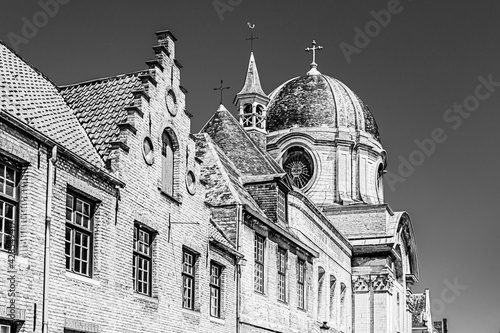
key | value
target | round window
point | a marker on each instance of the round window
(299, 166)
(148, 151)
(171, 102)
(191, 182)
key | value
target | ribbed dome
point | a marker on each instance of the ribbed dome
(315, 101)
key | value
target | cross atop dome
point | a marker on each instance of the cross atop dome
(314, 65)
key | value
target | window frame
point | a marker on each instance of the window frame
(12, 200)
(281, 207)
(75, 227)
(259, 262)
(189, 276)
(145, 256)
(301, 291)
(282, 262)
(216, 285)
(167, 163)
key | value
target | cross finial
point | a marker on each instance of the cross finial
(314, 48)
(251, 26)
(221, 88)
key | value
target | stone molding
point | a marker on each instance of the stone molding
(376, 283)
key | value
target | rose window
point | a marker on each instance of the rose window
(299, 166)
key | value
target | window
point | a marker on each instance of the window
(9, 202)
(247, 115)
(79, 234)
(299, 166)
(281, 206)
(142, 260)
(215, 289)
(333, 306)
(301, 270)
(4, 329)
(259, 264)
(282, 262)
(167, 164)
(321, 278)
(188, 275)
(259, 119)
(343, 313)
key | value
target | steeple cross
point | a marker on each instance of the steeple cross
(221, 88)
(313, 49)
(251, 26)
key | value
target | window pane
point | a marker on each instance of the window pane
(4, 329)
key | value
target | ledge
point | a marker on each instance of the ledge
(217, 320)
(131, 109)
(82, 278)
(146, 298)
(127, 126)
(153, 63)
(18, 259)
(169, 196)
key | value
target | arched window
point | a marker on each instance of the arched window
(247, 115)
(380, 184)
(343, 313)
(321, 279)
(333, 300)
(167, 164)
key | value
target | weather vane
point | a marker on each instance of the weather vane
(221, 88)
(313, 49)
(251, 26)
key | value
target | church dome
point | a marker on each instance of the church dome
(318, 101)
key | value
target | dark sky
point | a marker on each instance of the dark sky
(424, 61)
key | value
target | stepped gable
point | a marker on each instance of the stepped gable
(221, 177)
(235, 142)
(33, 99)
(102, 106)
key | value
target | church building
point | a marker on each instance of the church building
(115, 217)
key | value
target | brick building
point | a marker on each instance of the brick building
(116, 218)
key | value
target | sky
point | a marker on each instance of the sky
(429, 71)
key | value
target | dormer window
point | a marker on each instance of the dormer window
(281, 206)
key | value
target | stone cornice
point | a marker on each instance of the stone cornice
(372, 282)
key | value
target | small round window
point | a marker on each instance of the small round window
(147, 150)
(191, 182)
(171, 102)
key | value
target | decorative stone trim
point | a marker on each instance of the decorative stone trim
(81, 326)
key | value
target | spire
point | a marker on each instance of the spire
(252, 80)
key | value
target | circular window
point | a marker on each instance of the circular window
(299, 166)
(147, 150)
(171, 102)
(191, 182)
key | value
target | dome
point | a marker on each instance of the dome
(318, 101)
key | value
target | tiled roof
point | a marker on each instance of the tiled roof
(235, 142)
(223, 181)
(32, 98)
(99, 105)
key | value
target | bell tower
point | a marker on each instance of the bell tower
(252, 102)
